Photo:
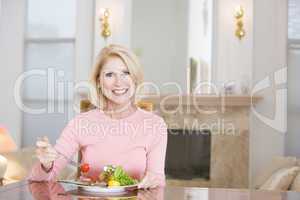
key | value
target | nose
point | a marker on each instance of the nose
(119, 80)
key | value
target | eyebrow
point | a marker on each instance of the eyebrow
(108, 71)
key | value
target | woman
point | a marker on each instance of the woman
(117, 132)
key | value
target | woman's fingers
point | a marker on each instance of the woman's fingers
(148, 182)
(45, 138)
(46, 156)
(154, 185)
(49, 150)
(46, 161)
(42, 144)
(147, 194)
(143, 184)
(44, 151)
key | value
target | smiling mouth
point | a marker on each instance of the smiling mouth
(119, 92)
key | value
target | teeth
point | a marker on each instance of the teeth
(120, 91)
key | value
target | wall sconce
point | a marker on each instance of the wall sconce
(104, 16)
(239, 14)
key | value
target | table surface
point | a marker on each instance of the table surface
(42, 191)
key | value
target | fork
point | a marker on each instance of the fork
(70, 161)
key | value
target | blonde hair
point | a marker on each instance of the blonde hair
(131, 61)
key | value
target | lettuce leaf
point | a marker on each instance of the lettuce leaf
(122, 177)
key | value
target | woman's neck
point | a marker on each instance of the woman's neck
(119, 111)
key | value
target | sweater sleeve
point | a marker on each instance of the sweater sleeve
(68, 145)
(47, 190)
(156, 153)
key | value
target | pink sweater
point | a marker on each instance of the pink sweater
(137, 143)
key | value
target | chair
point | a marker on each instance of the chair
(281, 174)
(86, 105)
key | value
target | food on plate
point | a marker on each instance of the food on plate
(85, 179)
(116, 176)
(84, 167)
(113, 183)
(111, 176)
(88, 179)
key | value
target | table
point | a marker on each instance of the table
(24, 190)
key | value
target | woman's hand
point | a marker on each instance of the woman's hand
(151, 180)
(45, 153)
(157, 194)
(48, 190)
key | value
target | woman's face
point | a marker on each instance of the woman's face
(116, 82)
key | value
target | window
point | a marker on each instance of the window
(50, 58)
(294, 20)
(49, 47)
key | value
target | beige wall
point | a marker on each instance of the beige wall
(261, 53)
(292, 147)
(269, 56)
(159, 35)
(155, 30)
(120, 23)
(11, 63)
(84, 39)
(232, 58)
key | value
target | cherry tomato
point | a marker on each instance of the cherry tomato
(85, 168)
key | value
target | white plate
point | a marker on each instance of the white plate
(101, 189)
(104, 189)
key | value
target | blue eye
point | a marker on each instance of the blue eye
(109, 74)
(126, 72)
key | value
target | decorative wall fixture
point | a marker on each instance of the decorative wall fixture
(239, 14)
(105, 27)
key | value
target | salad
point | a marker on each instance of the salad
(116, 176)
(110, 176)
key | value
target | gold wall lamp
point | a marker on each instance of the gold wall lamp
(104, 19)
(239, 14)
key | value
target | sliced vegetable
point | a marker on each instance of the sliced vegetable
(113, 183)
(121, 176)
(116, 174)
(85, 168)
